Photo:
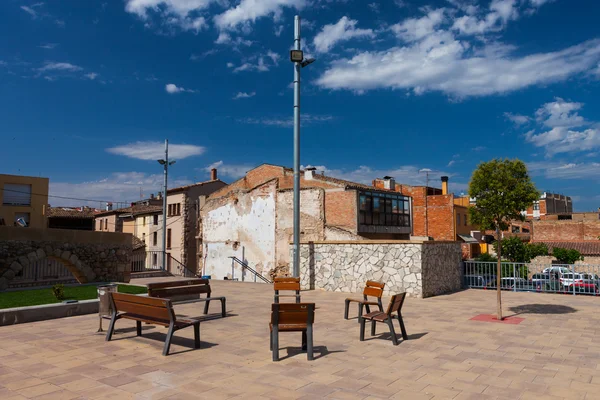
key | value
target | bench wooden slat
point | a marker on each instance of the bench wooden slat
(168, 284)
(179, 290)
(151, 301)
(160, 313)
(286, 286)
(372, 291)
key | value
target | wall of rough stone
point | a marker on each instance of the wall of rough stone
(417, 268)
(90, 256)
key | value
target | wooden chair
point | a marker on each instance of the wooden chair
(387, 317)
(292, 317)
(287, 283)
(151, 310)
(373, 289)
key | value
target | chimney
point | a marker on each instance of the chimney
(309, 173)
(159, 196)
(213, 174)
(389, 183)
(444, 185)
(108, 206)
(151, 196)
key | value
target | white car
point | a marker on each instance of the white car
(559, 270)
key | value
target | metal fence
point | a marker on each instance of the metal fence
(542, 278)
(147, 261)
(43, 272)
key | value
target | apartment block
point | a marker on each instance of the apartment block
(23, 200)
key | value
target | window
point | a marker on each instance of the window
(465, 219)
(536, 206)
(168, 238)
(154, 238)
(16, 195)
(144, 237)
(100, 221)
(156, 220)
(458, 219)
(154, 259)
(143, 221)
(178, 208)
(383, 209)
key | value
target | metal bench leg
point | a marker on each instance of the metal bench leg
(373, 327)
(380, 304)
(402, 328)
(346, 307)
(309, 342)
(271, 340)
(392, 331)
(361, 320)
(168, 340)
(368, 307)
(197, 335)
(275, 339)
(206, 303)
(223, 308)
(111, 327)
(303, 340)
(138, 328)
(360, 311)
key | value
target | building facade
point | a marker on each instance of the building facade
(23, 200)
(548, 204)
(78, 218)
(252, 219)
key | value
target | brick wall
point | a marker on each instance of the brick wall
(340, 209)
(440, 217)
(565, 230)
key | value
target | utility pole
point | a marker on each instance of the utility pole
(165, 163)
(297, 66)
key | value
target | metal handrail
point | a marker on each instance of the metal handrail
(188, 273)
(246, 266)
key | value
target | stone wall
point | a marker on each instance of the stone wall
(421, 269)
(90, 256)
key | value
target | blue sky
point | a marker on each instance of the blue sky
(89, 90)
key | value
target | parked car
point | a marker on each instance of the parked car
(556, 270)
(519, 283)
(583, 288)
(569, 279)
(542, 279)
(480, 281)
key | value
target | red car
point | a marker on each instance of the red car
(588, 288)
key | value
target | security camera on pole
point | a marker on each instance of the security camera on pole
(297, 57)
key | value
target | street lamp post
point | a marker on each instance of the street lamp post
(297, 57)
(165, 163)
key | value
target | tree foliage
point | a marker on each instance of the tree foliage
(502, 189)
(514, 250)
(537, 249)
(566, 256)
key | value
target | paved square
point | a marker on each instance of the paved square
(554, 353)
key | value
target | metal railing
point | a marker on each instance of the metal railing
(43, 272)
(147, 261)
(528, 277)
(245, 266)
(179, 269)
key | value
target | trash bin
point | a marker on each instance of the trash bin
(104, 308)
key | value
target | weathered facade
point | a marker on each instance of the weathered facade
(90, 256)
(419, 268)
(252, 219)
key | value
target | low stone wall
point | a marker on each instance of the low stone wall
(90, 256)
(421, 269)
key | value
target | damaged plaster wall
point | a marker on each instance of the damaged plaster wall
(241, 224)
(312, 220)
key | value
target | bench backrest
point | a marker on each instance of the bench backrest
(374, 289)
(151, 308)
(168, 284)
(194, 286)
(286, 283)
(396, 303)
(292, 313)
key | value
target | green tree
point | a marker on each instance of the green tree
(502, 189)
(537, 249)
(566, 256)
(513, 249)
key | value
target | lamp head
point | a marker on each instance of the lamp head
(296, 55)
(307, 62)
(161, 162)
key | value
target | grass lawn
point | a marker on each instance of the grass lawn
(34, 297)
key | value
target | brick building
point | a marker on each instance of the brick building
(252, 218)
(548, 204)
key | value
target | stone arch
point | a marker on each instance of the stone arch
(82, 272)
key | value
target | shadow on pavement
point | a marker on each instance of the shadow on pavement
(542, 309)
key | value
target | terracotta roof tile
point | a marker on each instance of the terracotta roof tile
(588, 248)
(66, 212)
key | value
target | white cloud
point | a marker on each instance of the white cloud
(440, 62)
(259, 65)
(230, 65)
(539, 3)
(565, 170)
(120, 188)
(560, 113)
(374, 7)
(59, 66)
(156, 150)
(451, 163)
(248, 11)
(412, 29)
(31, 9)
(278, 30)
(345, 29)
(91, 75)
(233, 171)
(287, 122)
(478, 148)
(563, 137)
(48, 46)
(171, 88)
(244, 95)
(500, 12)
(517, 119)
(181, 13)
(225, 38)
(273, 56)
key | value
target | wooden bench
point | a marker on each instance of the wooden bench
(373, 289)
(292, 317)
(174, 289)
(286, 283)
(153, 311)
